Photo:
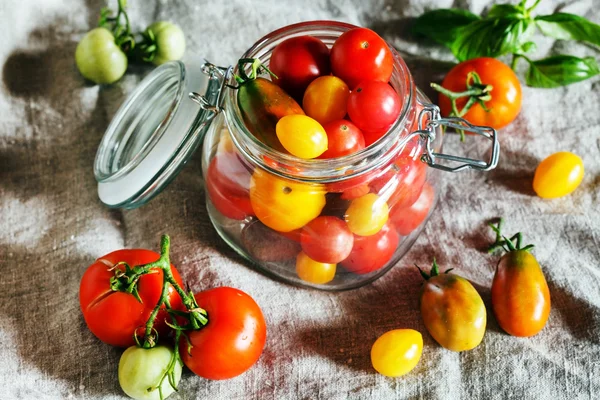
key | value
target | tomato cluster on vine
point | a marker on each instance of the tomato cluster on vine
(134, 298)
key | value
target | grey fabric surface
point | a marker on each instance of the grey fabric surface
(53, 225)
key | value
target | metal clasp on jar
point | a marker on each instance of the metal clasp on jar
(212, 100)
(434, 120)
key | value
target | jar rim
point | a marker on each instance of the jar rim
(321, 170)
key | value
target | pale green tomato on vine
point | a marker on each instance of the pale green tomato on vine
(168, 41)
(149, 374)
(98, 57)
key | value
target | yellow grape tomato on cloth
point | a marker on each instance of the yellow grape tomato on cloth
(558, 175)
(397, 352)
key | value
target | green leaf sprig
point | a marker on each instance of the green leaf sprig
(506, 29)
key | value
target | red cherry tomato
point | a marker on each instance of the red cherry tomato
(227, 183)
(113, 316)
(233, 339)
(373, 136)
(326, 240)
(408, 219)
(371, 253)
(361, 54)
(343, 138)
(297, 61)
(373, 106)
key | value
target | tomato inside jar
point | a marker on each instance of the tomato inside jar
(309, 174)
(316, 151)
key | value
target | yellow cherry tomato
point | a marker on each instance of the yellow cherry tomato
(367, 215)
(302, 136)
(282, 204)
(325, 99)
(313, 271)
(397, 352)
(558, 175)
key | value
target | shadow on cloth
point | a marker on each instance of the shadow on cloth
(389, 303)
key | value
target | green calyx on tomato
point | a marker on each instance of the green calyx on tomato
(161, 42)
(507, 243)
(435, 271)
(476, 92)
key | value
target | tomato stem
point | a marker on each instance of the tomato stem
(477, 93)
(255, 69)
(507, 243)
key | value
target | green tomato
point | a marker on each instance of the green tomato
(98, 58)
(140, 372)
(170, 42)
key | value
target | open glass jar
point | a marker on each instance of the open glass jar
(332, 224)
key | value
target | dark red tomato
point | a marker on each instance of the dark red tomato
(371, 253)
(505, 104)
(327, 240)
(361, 54)
(297, 62)
(373, 106)
(343, 138)
(373, 136)
(233, 339)
(227, 184)
(409, 218)
(113, 316)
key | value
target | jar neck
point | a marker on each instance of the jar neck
(375, 156)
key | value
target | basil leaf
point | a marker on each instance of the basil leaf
(491, 37)
(505, 10)
(569, 27)
(441, 25)
(560, 70)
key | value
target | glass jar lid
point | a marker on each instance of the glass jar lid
(154, 133)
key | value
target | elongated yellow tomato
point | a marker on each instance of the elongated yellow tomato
(325, 99)
(558, 175)
(452, 311)
(313, 271)
(367, 215)
(397, 352)
(302, 136)
(282, 204)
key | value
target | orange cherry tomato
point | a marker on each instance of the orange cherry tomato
(505, 102)
(325, 99)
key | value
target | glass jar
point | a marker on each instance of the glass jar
(331, 224)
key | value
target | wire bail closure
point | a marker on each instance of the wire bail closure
(212, 101)
(432, 113)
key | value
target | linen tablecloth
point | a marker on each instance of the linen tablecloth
(53, 225)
